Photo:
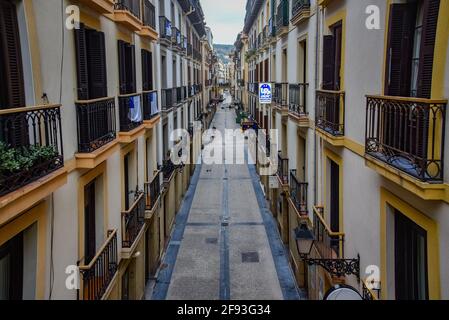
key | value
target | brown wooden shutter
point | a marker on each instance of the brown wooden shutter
(81, 63)
(430, 10)
(400, 49)
(122, 66)
(96, 64)
(13, 85)
(328, 62)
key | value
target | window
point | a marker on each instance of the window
(411, 47)
(147, 70)
(12, 91)
(89, 223)
(127, 67)
(91, 63)
(332, 49)
(11, 269)
(410, 253)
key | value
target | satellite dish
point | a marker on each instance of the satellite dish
(342, 292)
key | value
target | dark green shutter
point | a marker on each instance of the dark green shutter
(431, 10)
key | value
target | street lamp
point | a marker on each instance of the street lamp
(338, 266)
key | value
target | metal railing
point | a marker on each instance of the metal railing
(408, 134)
(330, 113)
(298, 193)
(165, 28)
(98, 274)
(176, 38)
(150, 104)
(282, 16)
(329, 244)
(133, 220)
(30, 145)
(282, 171)
(168, 168)
(96, 123)
(167, 99)
(280, 94)
(132, 6)
(272, 27)
(153, 191)
(149, 14)
(130, 111)
(369, 294)
(298, 98)
(299, 5)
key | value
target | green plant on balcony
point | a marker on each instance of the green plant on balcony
(249, 54)
(13, 160)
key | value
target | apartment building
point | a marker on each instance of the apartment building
(86, 188)
(360, 111)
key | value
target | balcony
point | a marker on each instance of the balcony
(167, 99)
(300, 11)
(176, 40)
(298, 194)
(180, 95)
(133, 221)
(168, 168)
(298, 99)
(153, 193)
(130, 112)
(282, 18)
(253, 87)
(282, 171)
(96, 121)
(30, 145)
(280, 94)
(329, 244)
(189, 49)
(165, 30)
(101, 6)
(272, 29)
(127, 13)
(99, 274)
(330, 112)
(149, 21)
(407, 134)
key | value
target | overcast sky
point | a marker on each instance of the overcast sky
(225, 18)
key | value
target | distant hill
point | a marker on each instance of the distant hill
(223, 51)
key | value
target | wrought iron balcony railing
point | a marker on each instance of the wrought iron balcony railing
(165, 28)
(130, 111)
(96, 123)
(132, 6)
(368, 293)
(299, 5)
(98, 274)
(298, 193)
(150, 104)
(282, 16)
(176, 38)
(298, 98)
(149, 14)
(280, 94)
(167, 99)
(330, 111)
(168, 168)
(153, 191)
(133, 221)
(282, 171)
(31, 145)
(329, 244)
(189, 49)
(408, 134)
(272, 27)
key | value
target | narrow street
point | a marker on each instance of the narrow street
(225, 244)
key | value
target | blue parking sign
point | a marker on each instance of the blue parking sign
(265, 95)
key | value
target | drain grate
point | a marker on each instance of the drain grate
(250, 257)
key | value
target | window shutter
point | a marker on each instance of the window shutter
(96, 64)
(431, 10)
(11, 56)
(150, 70)
(328, 63)
(145, 83)
(81, 63)
(132, 83)
(400, 49)
(122, 66)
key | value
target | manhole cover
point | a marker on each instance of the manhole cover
(250, 257)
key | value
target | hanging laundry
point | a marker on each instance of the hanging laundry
(135, 109)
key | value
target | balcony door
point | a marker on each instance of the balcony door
(334, 208)
(410, 251)
(332, 50)
(11, 269)
(89, 223)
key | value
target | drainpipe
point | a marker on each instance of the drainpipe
(317, 65)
